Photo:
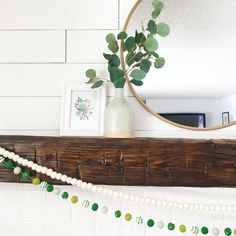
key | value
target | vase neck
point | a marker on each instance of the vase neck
(119, 92)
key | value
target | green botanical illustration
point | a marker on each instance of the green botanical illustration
(83, 108)
(140, 52)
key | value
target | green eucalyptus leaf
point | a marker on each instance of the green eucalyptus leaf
(107, 56)
(90, 81)
(119, 83)
(152, 27)
(140, 38)
(110, 38)
(115, 73)
(145, 65)
(122, 35)
(97, 84)
(136, 82)
(159, 63)
(151, 44)
(138, 74)
(113, 46)
(114, 60)
(157, 5)
(156, 13)
(130, 44)
(139, 56)
(91, 73)
(163, 29)
(155, 54)
(130, 58)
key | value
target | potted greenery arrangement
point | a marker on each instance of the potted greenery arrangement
(140, 56)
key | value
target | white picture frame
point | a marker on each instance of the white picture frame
(82, 110)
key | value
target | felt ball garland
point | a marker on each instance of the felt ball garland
(126, 196)
(7, 159)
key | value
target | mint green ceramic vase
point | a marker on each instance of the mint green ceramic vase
(119, 117)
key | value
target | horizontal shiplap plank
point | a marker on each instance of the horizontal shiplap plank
(45, 79)
(30, 113)
(87, 46)
(125, 9)
(42, 79)
(58, 14)
(32, 46)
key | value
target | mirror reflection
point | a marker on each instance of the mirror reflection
(197, 85)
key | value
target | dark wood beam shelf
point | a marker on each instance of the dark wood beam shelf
(139, 161)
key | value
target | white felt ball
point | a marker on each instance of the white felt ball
(49, 172)
(79, 182)
(39, 168)
(94, 188)
(121, 194)
(84, 185)
(137, 199)
(160, 225)
(53, 175)
(25, 162)
(126, 196)
(34, 166)
(73, 181)
(100, 189)
(215, 231)
(110, 192)
(104, 209)
(6, 153)
(11, 155)
(105, 191)
(2, 150)
(15, 158)
(89, 186)
(68, 180)
(44, 170)
(58, 176)
(115, 194)
(56, 191)
(17, 170)
(64, 178)
(20, 160)
(30, 163)
(148, 201)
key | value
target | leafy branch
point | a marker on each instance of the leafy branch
(140, 52)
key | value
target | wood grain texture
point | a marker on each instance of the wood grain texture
(140, 161)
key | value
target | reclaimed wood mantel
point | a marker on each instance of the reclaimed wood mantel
(139, 161)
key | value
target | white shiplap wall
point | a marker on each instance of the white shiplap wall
(44, 44)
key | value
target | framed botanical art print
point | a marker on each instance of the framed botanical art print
(82, 110)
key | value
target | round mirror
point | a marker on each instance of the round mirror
(196, 88)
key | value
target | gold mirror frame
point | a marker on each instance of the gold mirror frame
(140, 99)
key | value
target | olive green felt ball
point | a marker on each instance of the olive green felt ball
(182, 228)
(128, 217)
(36, 181)
(74, 199)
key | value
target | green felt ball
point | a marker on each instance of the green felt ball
(9, 164)
(74, 199)
(235, 232)
(36, 181)
(94, 206)
(65, 195)
(150, 223)
(228, 231)
(204, 230)
(171, 226)
(50, 188)
(182, 228)
(118, 214)
(25, 175)
(128, 217)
